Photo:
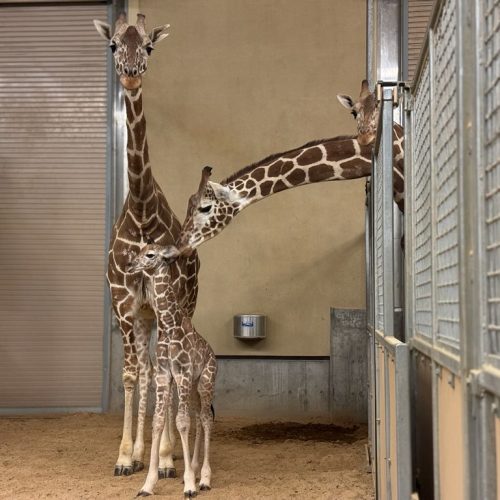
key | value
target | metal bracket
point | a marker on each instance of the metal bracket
(474, 383)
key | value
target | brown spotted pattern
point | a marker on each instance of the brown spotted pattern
(214, 206)
(185, 357)
(146, 217)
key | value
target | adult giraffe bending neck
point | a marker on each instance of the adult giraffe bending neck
(146, 217)
(365, 111)
(215, 205)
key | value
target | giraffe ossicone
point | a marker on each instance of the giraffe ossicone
(183, 356)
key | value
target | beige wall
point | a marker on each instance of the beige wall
(238, 80)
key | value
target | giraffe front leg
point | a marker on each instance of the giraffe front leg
(166, 468)
(163, 383)
(123, 466)
(183, 421)
(142, 332)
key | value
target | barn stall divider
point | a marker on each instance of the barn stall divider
(435, 389)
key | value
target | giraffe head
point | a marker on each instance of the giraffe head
(209, 211)
(365, 111)
(131, 46)
(152, 256)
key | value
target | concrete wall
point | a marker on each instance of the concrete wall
(238, 80)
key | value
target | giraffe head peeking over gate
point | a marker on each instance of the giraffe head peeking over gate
(131, 46)
(365, 111)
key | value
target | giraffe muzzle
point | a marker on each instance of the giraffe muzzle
(131, 82)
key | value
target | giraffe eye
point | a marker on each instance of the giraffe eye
(149, 49)
(150, 255)
(112, 46)
(354, 113)
(205, 210)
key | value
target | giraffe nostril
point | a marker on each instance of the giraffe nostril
(134, 72)
(125, 70)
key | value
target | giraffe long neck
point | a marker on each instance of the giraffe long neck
(171, 312)
(140, 177)
(337, 159)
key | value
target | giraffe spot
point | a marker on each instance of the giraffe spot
(296, 177)
(138, 106)
(252, 193)
(338, 150)
(320, 173)
(135, 163)
(250, 183)
(275, 169)
(279, 186)
(265, 187)
(311, 155)
(287, 166)
(259, 173)
(353, 169)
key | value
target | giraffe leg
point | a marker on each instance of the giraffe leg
(123, 466)
(206, 387)
(166, 467)
(163, 384)
(142, 332)
(195, 461)
(183, 421)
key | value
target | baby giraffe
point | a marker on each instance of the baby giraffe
(184, 356)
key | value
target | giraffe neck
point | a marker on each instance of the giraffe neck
(140, 177)
(337, 159)
(171, 313)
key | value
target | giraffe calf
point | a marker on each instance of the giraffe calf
(184, 356)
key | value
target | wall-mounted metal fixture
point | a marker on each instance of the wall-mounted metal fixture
(250, 326)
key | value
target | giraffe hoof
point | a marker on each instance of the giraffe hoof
(143, 493)
(123, 470)
(166, 473)
(189, 494)
(205, 487)
(137, 466)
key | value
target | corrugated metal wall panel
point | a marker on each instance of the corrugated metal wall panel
(53, 135)
(419, 12)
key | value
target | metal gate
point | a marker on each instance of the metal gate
(388, 356)
(451, 358)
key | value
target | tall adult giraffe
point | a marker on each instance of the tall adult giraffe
(146, 217)
(215, 205)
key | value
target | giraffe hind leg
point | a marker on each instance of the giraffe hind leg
(166, 468)
(123, 466)
(206, 387)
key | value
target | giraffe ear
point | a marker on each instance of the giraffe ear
(104, 29)
(346, 101)
(159, 33)
(223, 193)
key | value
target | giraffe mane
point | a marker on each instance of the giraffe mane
(275, 156)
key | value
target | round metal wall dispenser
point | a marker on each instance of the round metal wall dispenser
(250, 326)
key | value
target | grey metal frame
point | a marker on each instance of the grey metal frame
(381, 312)
(473, 356)
(115, 190)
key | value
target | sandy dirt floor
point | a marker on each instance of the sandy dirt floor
(72, 457)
